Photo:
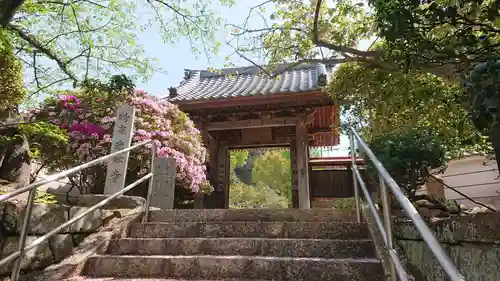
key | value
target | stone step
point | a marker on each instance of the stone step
(84, 278)
(307, 230)
(196, 215)
(246, 267)
(244, 246)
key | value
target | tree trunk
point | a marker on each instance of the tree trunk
(8, 9)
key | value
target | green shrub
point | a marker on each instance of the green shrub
(408, 156)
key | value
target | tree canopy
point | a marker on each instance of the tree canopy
(444, 37)
(458, 33)
(69, 41)
(273, 169)
(238, 158)
(303, 31)
(382, 101)
(270, 177)
(12, 90)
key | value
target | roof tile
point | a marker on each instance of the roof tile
(249, 81)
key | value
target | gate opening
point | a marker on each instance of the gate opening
(260, 178)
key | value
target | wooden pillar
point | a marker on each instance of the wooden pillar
(302, 163)
(293, 167)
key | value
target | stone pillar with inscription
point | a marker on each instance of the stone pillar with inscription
(122, 137)
(163, 192)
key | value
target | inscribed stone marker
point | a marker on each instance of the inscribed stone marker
(165, 171)
(122, 137)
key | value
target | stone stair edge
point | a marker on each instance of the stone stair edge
(251, 215)
(84, 278)
(248, 222)
(270, 210)
(360, 240)
(238, 257)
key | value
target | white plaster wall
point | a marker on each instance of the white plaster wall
(483, 186)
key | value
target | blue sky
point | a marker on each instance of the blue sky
(175, 58)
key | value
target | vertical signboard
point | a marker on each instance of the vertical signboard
(122, 137)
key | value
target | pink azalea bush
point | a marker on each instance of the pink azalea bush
(89, 116)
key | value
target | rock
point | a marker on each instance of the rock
(477, 210)
(477, 228)
(10, 216)
(15, 164)
(425, 212)
(90, 223)
(39, 257)
(78, 238)
(62, 189)
(120, 202)
(61, 246)
(44, 217)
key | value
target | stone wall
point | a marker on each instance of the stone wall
(46, 217)
(473, 243)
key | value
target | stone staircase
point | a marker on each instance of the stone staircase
(284, 245)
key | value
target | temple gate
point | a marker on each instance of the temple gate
(243, 108)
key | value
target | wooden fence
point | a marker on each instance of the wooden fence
(332, 183)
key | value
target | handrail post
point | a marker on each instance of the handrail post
(386, 204)
(24, 233)
(145, 218)
(355, 179)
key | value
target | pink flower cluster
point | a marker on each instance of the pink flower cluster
(70, 101)
(90, 132)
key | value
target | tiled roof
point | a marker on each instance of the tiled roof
(249, 81)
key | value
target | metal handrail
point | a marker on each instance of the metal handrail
(386, 180)
(31, 188)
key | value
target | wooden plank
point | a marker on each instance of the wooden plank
(163, 191)
(302, 164)
(256, 135)
(252, 123)
(122, 137)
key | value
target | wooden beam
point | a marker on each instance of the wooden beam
(252, 100)
(302, 164)
(252, 123)
(314, 131)
(310, 118)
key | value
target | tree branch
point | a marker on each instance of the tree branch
(290, 66)
(30, 39)
(186, 17)
(321, 43)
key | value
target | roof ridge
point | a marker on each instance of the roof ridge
(253, 69)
